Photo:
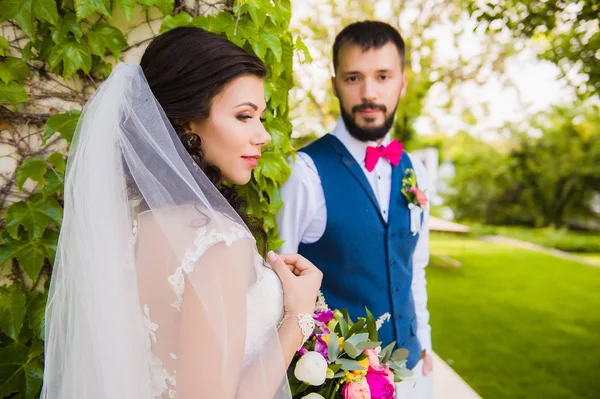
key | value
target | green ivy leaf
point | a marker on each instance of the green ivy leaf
(68, 24)
(280, 135)
(300, 46)
(127, 7)
(104, 36)
(46, 10)
(202, 21)
(257, 13)
(84, 8)
(12, 310)
(3, 45)
(260, 47)
(30, 253)
(64, 123)
(36, 308)
(32, 168)
(274, 44)
(224, 22)
(165, 6)
(273, 166)
(19, 373)
(13, 69)
(58, 161)
(73, 55)
(13, 93)
(102, 69)
(26, 17)
(34, 216)
(175, 21)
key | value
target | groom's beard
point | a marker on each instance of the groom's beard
(366, 134)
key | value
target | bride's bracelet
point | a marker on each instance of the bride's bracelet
(306, 323)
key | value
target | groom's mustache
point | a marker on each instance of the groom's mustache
(365, 106)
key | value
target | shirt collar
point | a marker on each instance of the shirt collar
(355, 147)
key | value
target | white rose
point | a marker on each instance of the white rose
(312, 369)
(313, 396)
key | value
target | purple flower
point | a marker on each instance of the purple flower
(302, 351)
(323, 317)
(321, 347)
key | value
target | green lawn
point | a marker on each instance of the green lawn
(564, 240)
(516, 323)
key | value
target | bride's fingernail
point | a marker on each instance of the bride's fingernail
(272, 256)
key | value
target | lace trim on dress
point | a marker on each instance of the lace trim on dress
(161, 380)
(202, 242)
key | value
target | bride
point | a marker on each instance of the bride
(158, 289)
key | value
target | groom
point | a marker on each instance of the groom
(346, 208)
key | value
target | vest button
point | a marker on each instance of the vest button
(396, 290)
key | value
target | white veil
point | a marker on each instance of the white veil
(149, 288)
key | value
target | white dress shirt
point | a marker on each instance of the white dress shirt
(303, 217)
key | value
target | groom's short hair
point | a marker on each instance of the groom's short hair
(368, 35)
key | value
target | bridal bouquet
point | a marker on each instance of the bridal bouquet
(343, 359)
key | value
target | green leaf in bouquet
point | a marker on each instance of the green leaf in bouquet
(349, 365)
(401, 372)
(386, 352)
(299, 388)
(343, 326)
(333, 347)
(358, 338)
(329, 374)
(335, 367)
(371, 326)
(351, 350)
(368, 345)
(400, 355)
(347, 317)
(339, 374)
(357, 327)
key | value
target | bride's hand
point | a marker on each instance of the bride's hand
(301, 281)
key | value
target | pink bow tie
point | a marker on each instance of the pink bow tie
(392, 152)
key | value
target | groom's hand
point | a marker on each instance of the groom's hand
(427, 363)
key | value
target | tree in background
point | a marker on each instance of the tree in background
(568, 31)
(545, 176)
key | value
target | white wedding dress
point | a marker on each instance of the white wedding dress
(162, 295)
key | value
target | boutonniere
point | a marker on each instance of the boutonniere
(412, 193)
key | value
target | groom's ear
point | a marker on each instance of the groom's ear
(404, 84)
(333, 86)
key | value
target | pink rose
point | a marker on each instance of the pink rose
(390, 374)
(379, 384)
(373, 358)
(356, 390)
(421, 197)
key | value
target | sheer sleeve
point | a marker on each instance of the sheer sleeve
(194, 281)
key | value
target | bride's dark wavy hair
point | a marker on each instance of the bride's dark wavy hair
(186, 68)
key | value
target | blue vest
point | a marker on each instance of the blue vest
(365, 261)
